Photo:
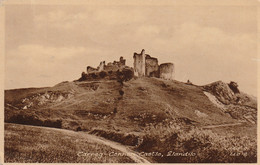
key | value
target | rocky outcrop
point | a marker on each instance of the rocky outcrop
(45, 98)
(228, 93)
(234, 87)
(230, 100)
(221, 91)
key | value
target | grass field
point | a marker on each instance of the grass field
(29, 144)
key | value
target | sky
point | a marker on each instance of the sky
(48, 44)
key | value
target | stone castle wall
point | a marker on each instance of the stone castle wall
(145, 65)
(116, 70)
(139, 64)
(101, 66)
(151, 66)
(116, 65)
(166, 71)
(91, 70)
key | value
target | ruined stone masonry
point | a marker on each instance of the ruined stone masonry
(139, 64)
(145, 65)
(109, 67)
(166, 71)
(116, 70)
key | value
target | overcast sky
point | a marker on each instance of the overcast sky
(47, 44)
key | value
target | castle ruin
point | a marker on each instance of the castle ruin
(111, 66)
(145, 65)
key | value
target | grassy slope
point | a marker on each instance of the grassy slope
(145, 102)
(23, 145)
(154, 99)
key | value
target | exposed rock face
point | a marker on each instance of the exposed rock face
(151, 66)
(139, 64)
(229, 94)
(166, 71)
(222, 91)
(45, 98)
(234, 87)
(237, 105)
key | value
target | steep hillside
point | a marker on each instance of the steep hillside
(130, 106)
(128, 112)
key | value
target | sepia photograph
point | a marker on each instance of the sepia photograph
(130, 81)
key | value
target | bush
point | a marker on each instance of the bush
(128, 74)
(93, 75)
(125, 75)
(32, 120)
(121, 92)
(27, 120)
(103, 74)
(79, 129)
(51, 123)
(83, 77)
(207, 146)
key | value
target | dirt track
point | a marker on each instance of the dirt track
(221, 125)
(121, 148)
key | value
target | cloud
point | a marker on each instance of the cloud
(205, 43)
(59, 19)
(38, 65)
(37, 52)
(99, 17)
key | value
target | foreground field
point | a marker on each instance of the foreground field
(29, 144)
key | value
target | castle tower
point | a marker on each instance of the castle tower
(139, 64)
(166, 71)
(151, 66)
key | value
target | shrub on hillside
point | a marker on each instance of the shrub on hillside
(83, 77)
(33, 120)
(110, 72)
(207, 146)
(24, 119)
(93, 75)
(125, 75)
(52, 123)
(103, 74)
(128, 74)
(121, 92)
